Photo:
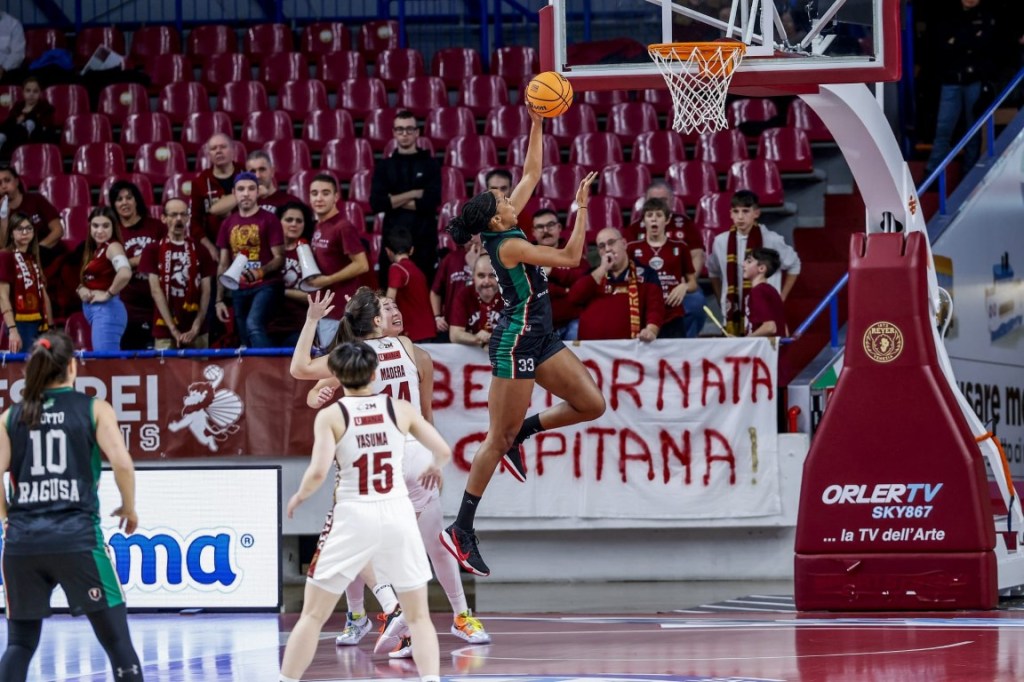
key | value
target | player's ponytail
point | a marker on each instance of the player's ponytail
(48, 364)
(358, 322)
(475, 217)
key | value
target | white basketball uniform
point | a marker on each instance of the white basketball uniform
(398, 377)
(373, 520)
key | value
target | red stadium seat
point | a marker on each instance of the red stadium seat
(444, 123)
(298, 184)
(760, 176)
(288, 158)
(800, 115)
(98, 161)
(218, 69)
(178, 186)
(576, 121)
(453, 184)
(550, 153)
(375, 36)
(789, 148)
(90, 38)
(201, 126)
(345, 157)
(484, 93)
(480, 183)
(506, 123)
(324, 125)
(602, 212)
(300, 98)
(140, 181)
(454, 65)
(238, 100)
(661, 98)
(160, 160)
(559, 183)
(353, 212)
(399, 64)
(66, 190)
(120, 100)
(624, 182)
(361, 96)
(750, 110)
(84, 128)
(713, 212)
(515, 63)
(181, 100)
(163, 69)
(690, 180)
(325, 37)
(658, 149)
(359, 188)
(149, 42)
(67, 100)
(207, 39)
(421, 94)
(284, 67)
(629, 119)
(377, 128)
(263, 40)
(596, 150)
(77, 327)
(141, 128)
(721, 149)
(335, 67)
(470, 153)
(262, 127)
(604, 100)
(40, 40)
(36, 161)
(238, 156)
(677, 207)
(75, 220)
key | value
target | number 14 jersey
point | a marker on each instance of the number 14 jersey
(397, 375)
(370, 452)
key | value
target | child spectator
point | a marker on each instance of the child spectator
(731, 248)
(476, 308)
(139, 230)
(671, 261)
(454, 274)
(297, 222)
(178, 272)
(257, 235)
(765, 314)
(105, 272)
(45, 218)
(407, 285)
(30, 120)
(27, 312)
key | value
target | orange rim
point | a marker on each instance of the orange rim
(684, 50)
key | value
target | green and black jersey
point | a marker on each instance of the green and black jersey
(524, 289)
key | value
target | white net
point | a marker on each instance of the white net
(698, 76)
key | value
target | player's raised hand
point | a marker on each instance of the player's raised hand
(320, 304)
(583, 193)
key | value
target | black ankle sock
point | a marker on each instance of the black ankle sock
(467, 511)
(531, 425)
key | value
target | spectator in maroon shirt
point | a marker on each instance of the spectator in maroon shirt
(257, 235)
(338, 251)
(547, 231)
(24, 304)
(407, 285)
(45, 218)
(209, 187)
(297, 220)
(453, 275)
(765, 314)
(680, 228)
(476, 308)
(179, 273)
(621, 299)
(139, 230)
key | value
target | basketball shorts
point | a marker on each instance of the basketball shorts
(87, 578)
(518, 357)
(417, 458)
(384, 534)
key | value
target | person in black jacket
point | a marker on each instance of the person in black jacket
(407, 189)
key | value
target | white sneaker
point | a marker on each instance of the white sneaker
(403, 650)
(470, 629)
(355, 629)
(391, 632)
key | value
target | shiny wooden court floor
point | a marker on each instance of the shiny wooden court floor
(746, 641)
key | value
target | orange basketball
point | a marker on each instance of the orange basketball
(549, 94)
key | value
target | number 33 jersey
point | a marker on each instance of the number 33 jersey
(370, 452)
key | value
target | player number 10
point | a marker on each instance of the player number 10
(56, 452)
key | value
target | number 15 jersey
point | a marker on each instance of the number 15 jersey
(370, 452)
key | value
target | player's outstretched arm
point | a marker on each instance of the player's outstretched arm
(532, 164)
(111, 442)
(328, 429)
(515, 251)
(303, 366)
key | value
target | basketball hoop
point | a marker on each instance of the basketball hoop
(698, 76)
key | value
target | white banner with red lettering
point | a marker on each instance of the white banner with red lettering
(690, 432)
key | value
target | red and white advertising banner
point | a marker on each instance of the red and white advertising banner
(690, 430)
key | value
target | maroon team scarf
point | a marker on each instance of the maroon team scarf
(191, 300)
(736, 293)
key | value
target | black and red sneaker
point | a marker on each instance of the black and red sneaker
(463, 546)
(512, 462)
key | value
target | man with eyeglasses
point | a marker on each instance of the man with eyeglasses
(621, 299)
(407, 190)
(547, 231)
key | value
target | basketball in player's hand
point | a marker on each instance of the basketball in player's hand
(549, 94)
